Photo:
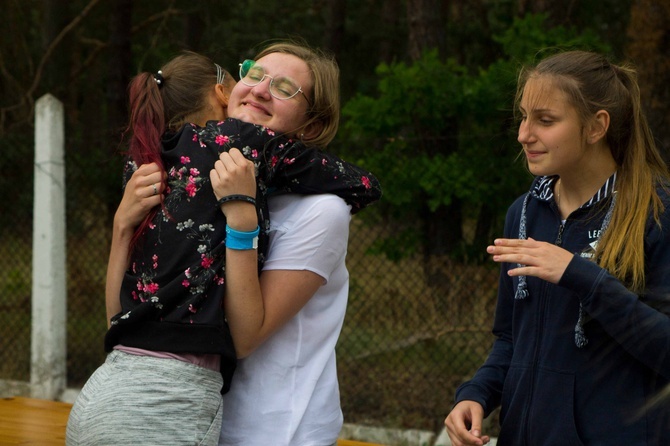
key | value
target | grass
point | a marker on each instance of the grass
(15, 309)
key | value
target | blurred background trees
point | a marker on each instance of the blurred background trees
(427, 85)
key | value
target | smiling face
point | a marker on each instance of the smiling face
(550, 132)
(256, 105)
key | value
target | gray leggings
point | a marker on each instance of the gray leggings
(141, 400)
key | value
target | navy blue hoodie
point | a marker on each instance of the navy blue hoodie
(580, 362)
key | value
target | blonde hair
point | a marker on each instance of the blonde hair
(592, 83)
(325, 94)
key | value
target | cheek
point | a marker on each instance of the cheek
(234, 99)
(239, 92)
(298, 116)
(570, 145)
(286, 117)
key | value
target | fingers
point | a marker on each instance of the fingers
(540, 259)
(501, 245)
(237, 157)
(233, 161)
(149, 173)
(147, 181)
(233, 174)
(516, 250)
(516, 253)
(464, 424)
(151, 193)
(143, 192)
(476, 430)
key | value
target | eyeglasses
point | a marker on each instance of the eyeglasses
(281, 87)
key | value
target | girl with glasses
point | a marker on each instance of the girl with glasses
(172, 356)
(582, 324)
(285, 326)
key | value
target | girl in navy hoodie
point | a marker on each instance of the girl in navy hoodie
(582, 324)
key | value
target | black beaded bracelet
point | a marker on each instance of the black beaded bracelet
(228, 198)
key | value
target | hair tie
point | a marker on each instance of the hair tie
(220, 74)
(158, 78)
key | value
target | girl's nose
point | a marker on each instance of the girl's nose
(262, 89)
(524, 132)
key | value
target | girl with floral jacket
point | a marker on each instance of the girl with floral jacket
(172, 355)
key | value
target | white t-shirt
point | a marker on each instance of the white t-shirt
(286, 392)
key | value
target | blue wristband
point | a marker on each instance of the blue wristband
(241, 240)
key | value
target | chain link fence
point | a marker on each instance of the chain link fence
(414, 330)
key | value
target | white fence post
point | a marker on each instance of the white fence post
(48, 341)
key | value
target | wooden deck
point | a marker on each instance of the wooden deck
(29, 421)
(33, 421)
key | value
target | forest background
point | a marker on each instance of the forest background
(427, 94)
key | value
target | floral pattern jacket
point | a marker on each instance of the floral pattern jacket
(172, 293)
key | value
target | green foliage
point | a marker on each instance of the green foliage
(15, 282)
(529, 38)
(405, 242)
(441, 136)
(415, 107)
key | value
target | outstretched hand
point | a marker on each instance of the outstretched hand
(464, 424)
(538, 259)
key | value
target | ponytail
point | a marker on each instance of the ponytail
(166, 101)
(146, 126)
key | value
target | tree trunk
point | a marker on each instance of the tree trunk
(119, 67)
(194, 29)
(55, 16)
(334, 34)
(390, 12)
(649, 37)
(425, 24)
(558, 11)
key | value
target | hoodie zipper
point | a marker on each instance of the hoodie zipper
(559, 237)
(558, 242)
